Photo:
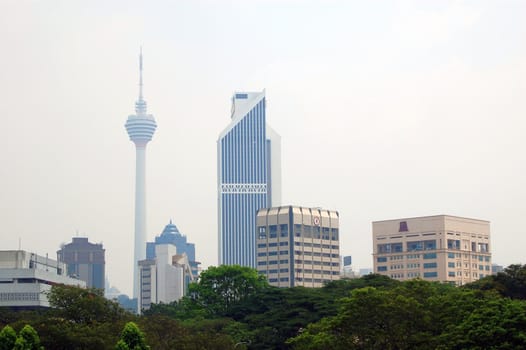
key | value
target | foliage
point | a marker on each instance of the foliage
(27, 339)
(131, 338)
(7, 338)
(509, 283)
(83, 305)
(419, 315)
(221, 287)
(372, 312)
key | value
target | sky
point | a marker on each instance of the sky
(386, 109)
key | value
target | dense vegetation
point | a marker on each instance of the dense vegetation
(233, 307)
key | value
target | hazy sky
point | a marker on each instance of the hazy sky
(386, 109)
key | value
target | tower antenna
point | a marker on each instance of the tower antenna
(140, 75)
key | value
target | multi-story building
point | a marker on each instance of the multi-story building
(172, 235)
(164, 278)
(248, 157)
(436, 248)
(26, 278)
(84, 260)
(298, 246)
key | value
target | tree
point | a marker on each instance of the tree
(220, 287)
(27, 339)
(131, 338)
(84, 305)
(7, 338)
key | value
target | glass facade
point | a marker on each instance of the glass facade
(244, 179)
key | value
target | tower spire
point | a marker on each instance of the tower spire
(140, 75)
(140, 105)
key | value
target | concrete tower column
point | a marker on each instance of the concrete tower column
(140, 127)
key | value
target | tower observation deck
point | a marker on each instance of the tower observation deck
(140, 127)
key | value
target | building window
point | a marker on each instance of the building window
(382, 268)
(335, 234)
(430, 265)
(262, 233)
(273, 231)
(430, 256)
(453, 244)
(451, 264)
(451, 255)
(381, 259)
(430, 274)
(451, 274)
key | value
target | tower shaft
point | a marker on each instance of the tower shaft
(139, 252)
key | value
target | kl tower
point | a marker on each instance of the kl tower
(140, 127)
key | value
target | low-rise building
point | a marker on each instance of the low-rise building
(26, 278)
(436, 248)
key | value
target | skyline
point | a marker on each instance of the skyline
(419, 108)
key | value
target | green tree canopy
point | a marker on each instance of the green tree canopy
(7, 338)
(84, 305)
(27, 339)
(220, 287)
(131, 338)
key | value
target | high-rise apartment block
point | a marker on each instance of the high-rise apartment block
(435, 248)
(249, 177)
(84, 260)
(298, 246)
(172, 235)
(26, 278)
(164, 278)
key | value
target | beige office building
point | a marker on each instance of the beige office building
(435, 248)
(298, 246)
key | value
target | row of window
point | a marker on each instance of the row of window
(273, 244)
(414, 275)
(316, 272)
(19, 296)
(315, 262)
(326, 255)
(452, 244)
(306, 231)
(432, 265)
(273, 262)
(316, 245)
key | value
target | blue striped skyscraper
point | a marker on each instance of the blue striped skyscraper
(249, 177)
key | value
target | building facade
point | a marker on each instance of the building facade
(164, 278)
(298, 246)
(85, 261)
(249, 177)
(140, 127)
(172, 235)
(436, 248)
(26, 278)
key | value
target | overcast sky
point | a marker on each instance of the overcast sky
(386, 109)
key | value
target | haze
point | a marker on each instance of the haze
(386, 109)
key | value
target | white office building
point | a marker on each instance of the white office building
(26, 278)
(165, 278)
